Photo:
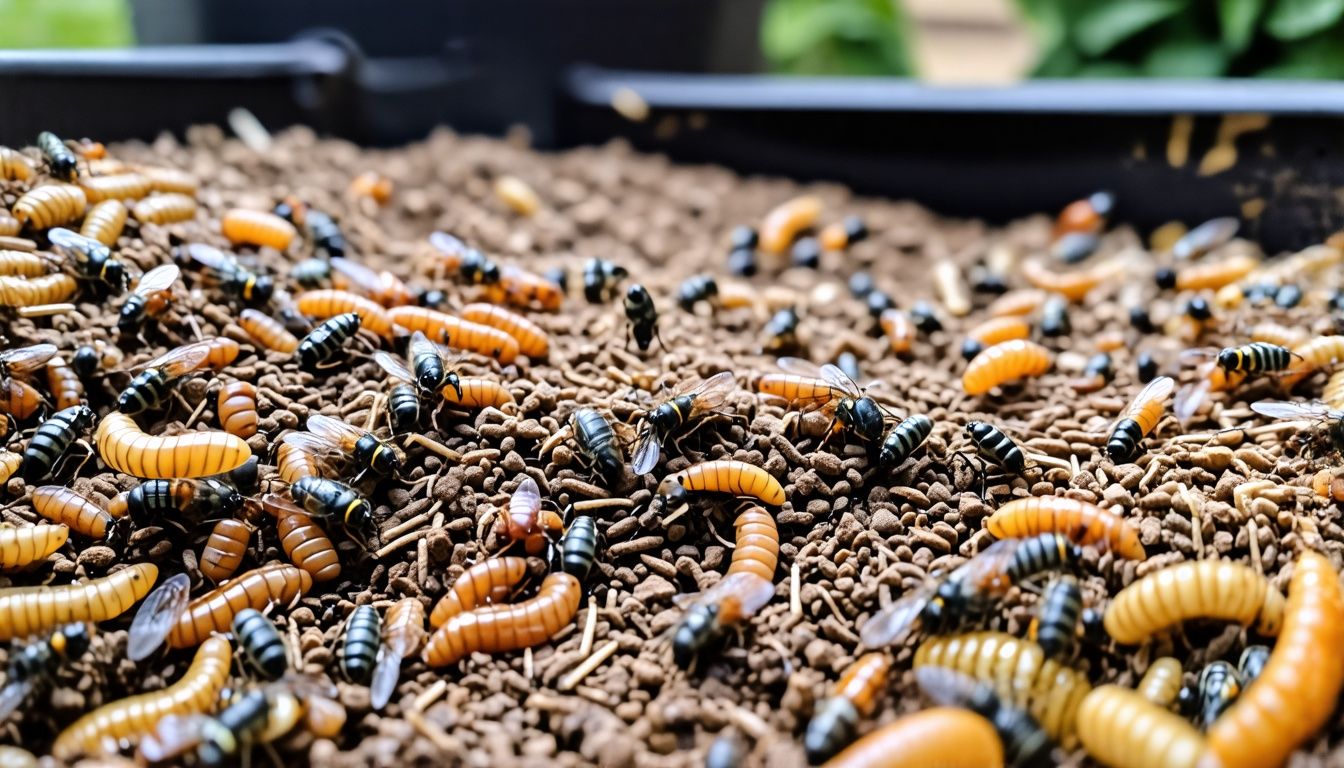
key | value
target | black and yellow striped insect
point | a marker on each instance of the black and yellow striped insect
(363, 636)
(643, 317)
(33, 666)
(88, 258)
(1256, 357)
(194, 499)
(1025, 742)
(326, 340)
(62, 162)
(995, 447)
(332, 500)
(51, 440)
(1251, 663)
(1055, 627)
(689, 400)
(262, 645)
(1216, 689)
(902, 440)
(150, 297)
(323, 231)
(223, 270)
(327, 436)
(149, 390)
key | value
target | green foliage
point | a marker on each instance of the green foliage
(1187, 38)
(836, 37)
(65, 24)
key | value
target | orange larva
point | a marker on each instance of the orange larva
(457, 333)
(757, 549)
(1073, 286)
(245, 227)
(1310, 357)
(900, 331)
(65, 506)
(1020, 302)
(129, 719)
(20, 547)
(268, 332)
(165, 209)
(737, 478)
(1121, 729)
(517, 195)
(1081, 522)
(293, 463)
(19, 398)
(1208, 277)
(997, 330)
(532, 340)
(238, 409)
(124, 447)
(1202, 589)
(22, 264)
(945, 737)
(65, 385)
(105, 221)
(307, 546)
(327, 303)
(479, 393)
(1003, 363)
(26, 611)
(798, 391)
(225, 549)
(497, 629)
(9, 464)
(1296, 693)
(854, 696)
(213, 612)
(525, 289)
(15, 166)
(1161, 684)
(490, 581)
(165, 180)
(121, 186)
(783, 224)
(35, 291)
(372, 185)
(51, 205)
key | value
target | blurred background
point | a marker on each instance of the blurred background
(943, 41)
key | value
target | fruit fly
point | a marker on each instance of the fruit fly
(1329, 437)
(643, 317)
(383, 287)
(332, 500)
(1256, 357)
(327, 436)
(150, 298)
(149, 389)
(690, 400)
(736, 598)
(600, 278)
(222, 269)
(34, 665)
(89, 258)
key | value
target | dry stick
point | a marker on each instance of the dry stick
(195, 327)
(795, 590)
(1049, 461)
(399, 543)
(830, 603)
(46, 310)
(405, 526)
(1154, 467)
(1253, 531)
(429, 730)
(356, 404)
(371, 421)
(589, 630)
(527, 663)
(1196, 532)
(421, 561)
(196, 413)
(588, 505)
(589, 664)
(434, 447)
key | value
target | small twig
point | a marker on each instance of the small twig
(528, 669)
(795, 590)
(589, 664)
(196, 413)
(1049, 461)
(589, 630)
(399, 543)
(371, 421)
(1196, 527)
(434, 447)
(1253, 531)
(46, 310)
(588, 505)
(357, 403)
(405, 526)
(430, 695)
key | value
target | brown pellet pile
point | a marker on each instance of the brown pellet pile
(853, 537)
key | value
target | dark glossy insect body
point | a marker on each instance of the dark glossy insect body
(477, 269)
(326, 340)
(741, 237)
(806, 253)
(600, 278)
(1141, 320)
(578, 549)
(835, 721)
(1288, 296)
(86, 362)
(1046, 552)
(225, 736)
(1256, 357)
(221, 269)
(598, 442)
(132, 314)
(1099, 366)
(742, 262)
(193, 498)
(1057, 621)
(430, 373)
(377, 456)
(311, 273)
(362, 638)
(994, 446)
(92, 259)
(1147, 365)
(1252, 663)
(848, 363)
(1055, 317)
(863, 417)
(1217, 688)
(147, 392)
(782, 331)
(557, 276)
(52, 440)
(643, 316)
(903, 439)
(925, 317)
(698, 631)
(323, 230)
(403, 403)
(1025, 743)
(39, 660)
(61, 162)
(695, 289)
(879, 302)
(332, 500)
(261, 642)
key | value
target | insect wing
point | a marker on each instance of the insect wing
(156, 616)
(73, 245)
(25, 360)
(892, 622)
(172, 737)
(363, 279)
(181, 360)
(647, 450)
(840, 380)
(751, 592)
(1205, 237)
(335, 430)
(1198, 356)
(987, 572)
(712, 393)
(1189, 399)
(1280, 409)
(799, 367)
(211, 258)
(1157, 389)
(157, 280)
(447, 243)
(12, 697)
(393, 367)
(386, 673)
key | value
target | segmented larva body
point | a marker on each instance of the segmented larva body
(946, 737)
(478, 393)
(51, 205)
(9, 464)
(1122, 729)
(222, 352)
(520, 288)
(1017, 303)
(326, 303)
(1020, 673)
(26, 611)
(737, 478)
(33, 291)
(66, 387)
(65, 506)
(899, 330)
(487, 582)
(757, 549)
(307, 546)
(23, 546)
(19, 398)
(853, 698)
(125, 448)
(532, 340)
(238, 409)
(1296, 692)
(105, 221)
(225, 549)
(214, 611)
(1161, 684)
(1073, 286)
(503, 628)
(16, 757)
(798, 391)
(244, 227)
(132, 718)
(165, 209)
(1282, 335)
(9, 226)
(15, 166)
(20, 263)
(517, 195)
(1212, 277)
(170, 180)
(782, 225)
(404, 628)
(1333, 394)
(997, 330)
(267, 331)
(1311, 357)
(120, 186)
(457, 333)
(1203, 589)
(1003, 363)
(293, 463)
(1081, 522)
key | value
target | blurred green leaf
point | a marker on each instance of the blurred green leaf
(841, 37)
(1111, 23)
(1187, 58)
(1048, 20)
(65, 24)
(1061, 61)
(1106, 70)
(1238, 18)
(1296, 19)
(1317, 57)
